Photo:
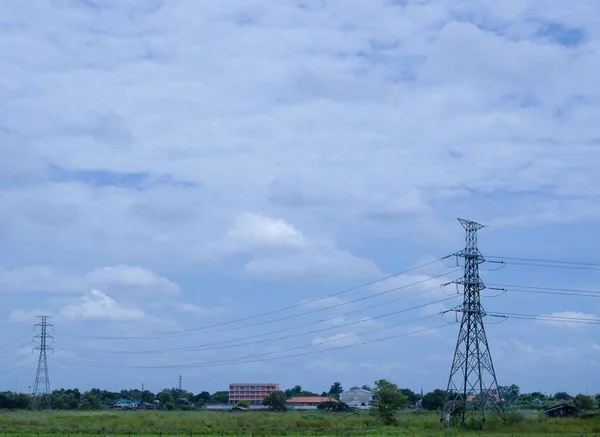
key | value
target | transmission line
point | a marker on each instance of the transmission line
(224, 345)
(215, 364)
(187, 331)
(549, 318)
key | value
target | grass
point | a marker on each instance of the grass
(256, 424)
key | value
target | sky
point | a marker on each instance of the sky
(184, 183)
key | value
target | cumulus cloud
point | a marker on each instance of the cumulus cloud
(123, 279)
(279, 250)
(358, 133)
(97, 305)
(132, 279)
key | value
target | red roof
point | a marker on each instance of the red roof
(311, 400)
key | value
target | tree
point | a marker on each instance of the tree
(562, 396)
(164, 397)
(243, 404)
(147, 396)
(275, 401)
(411, 396)
(202, 398)
(387, 400)
(584, 403)
(509, 394)
(366, 387)
(434, 400)
(220, 397)
(335, 390)
(334, 407)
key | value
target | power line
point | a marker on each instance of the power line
(549, 318)
(224, 345)
(361, 299)
(215, 362)
(275, 358)
(547, 261)
(574, 290)
(545, 290)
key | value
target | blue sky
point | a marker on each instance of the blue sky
(169, 165)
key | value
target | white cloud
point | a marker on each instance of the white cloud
(132, 279)
(97, 305)
(196, 309)
(279, 250)
(35, 278)
(252, 232)
(359, 133)
(122, 279)
(26, 316)
(337, 340)
(567, 319)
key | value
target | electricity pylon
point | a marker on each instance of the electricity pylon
(41, 387)
(472, 385)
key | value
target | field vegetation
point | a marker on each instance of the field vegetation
(292, 423)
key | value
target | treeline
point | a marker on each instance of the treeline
(176, 399)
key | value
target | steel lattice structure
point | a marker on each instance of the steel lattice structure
(472, 386)
(41, 387)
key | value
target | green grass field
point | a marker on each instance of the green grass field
(199, 424)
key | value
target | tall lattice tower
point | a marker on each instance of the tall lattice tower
(472, 386)
(41, 387)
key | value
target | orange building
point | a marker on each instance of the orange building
(252, 392)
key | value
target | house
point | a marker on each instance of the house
(254, 392)
(560, 410)
(124, 404)
(357, 398)
(307, 402)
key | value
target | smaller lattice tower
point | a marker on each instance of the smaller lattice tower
(41, 387)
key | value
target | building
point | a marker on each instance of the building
(560, 410)
(307, 402)
(251, 392)
(357, 398)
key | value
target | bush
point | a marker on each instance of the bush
(513, 417)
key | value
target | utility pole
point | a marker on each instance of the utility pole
(41, 387)
(472, 385)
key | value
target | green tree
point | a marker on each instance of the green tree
(275, 401)
(434, 400)
(169, 406)
(147, 396)
(335, 390)
(509, 394)
(202, 398)
(334, 407)
(243, 404)
(89, 402)
(164, 397)
(293, 392)
(387, 400)
(584, 403)
(411, 396)
(220, 397)
(562, 396)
